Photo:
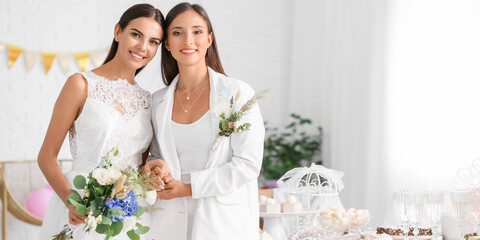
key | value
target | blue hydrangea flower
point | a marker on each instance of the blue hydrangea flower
(121, 208)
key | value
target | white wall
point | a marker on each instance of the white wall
(253, 37)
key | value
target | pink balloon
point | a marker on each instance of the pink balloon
(38, 200)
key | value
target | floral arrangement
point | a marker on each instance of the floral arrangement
(110, 200)
(230, 122)
(470, 236)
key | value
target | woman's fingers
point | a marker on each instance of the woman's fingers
(167, 178)
(156, 182)
(74, 217)
(156, 166)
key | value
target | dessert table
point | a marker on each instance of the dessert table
(273, 222)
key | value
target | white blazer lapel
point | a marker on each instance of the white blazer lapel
(164, 134)
(219, 90)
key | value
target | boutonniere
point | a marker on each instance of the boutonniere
(230, 122)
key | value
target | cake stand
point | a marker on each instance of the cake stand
(273, 225)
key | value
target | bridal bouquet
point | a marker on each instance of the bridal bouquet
(110, 200)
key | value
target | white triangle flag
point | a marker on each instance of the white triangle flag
(97, 56)
(31, 58)
(65, 60)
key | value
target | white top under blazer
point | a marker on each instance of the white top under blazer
(192, 142)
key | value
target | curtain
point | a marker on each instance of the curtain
(433, 83)
(395, 86)
(337, 80)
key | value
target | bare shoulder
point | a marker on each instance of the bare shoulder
(76, 81)
(75, 88)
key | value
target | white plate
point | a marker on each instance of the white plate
(288, 214)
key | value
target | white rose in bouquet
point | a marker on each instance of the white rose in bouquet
(101, 175)
(151, 197)
(106, 176)
(129, 223)
(115, 172)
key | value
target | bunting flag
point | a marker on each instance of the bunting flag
(65, 60)
(13, 53)
(82, 60)
(48, 59)
(31, 57)
(98, 56)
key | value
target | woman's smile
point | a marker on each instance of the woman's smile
(188, 51)
(137, 56)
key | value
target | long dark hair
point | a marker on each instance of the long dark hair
(169, 64)
(135, 11)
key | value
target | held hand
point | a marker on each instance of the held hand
(156, 173)
(175, 189)
(74, 217)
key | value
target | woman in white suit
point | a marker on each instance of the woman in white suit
(214, 193)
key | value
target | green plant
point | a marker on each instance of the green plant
(290, 148)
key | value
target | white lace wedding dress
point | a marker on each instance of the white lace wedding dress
(115, 114)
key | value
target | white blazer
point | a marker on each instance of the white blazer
(227, 189)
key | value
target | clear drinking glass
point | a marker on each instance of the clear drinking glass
(399, 199)
(414, 206)
(462, 201)
(433, 209)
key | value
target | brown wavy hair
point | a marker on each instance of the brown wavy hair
(169, 64)
(135, 11)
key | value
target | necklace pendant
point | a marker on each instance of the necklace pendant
(186, 110)
(188, 97)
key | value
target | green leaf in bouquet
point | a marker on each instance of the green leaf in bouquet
(97, 212)
(133, 235)
(116, 227)
(99, 190)
(79, 182)
(223, 124)
(109, 234)
(74, 192)
(97, 204)
(102, 228)
(141, 229)
(139, 211)
(115, 212)
(75, 197)
(115, 153)
(106, 220)
(81, 209)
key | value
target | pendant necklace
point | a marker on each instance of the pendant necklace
(181, 104)
(188, 96)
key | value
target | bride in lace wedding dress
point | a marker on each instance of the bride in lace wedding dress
(101, 109)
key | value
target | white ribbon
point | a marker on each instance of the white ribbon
(215, 142)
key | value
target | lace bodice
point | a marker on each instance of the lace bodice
(115, 114)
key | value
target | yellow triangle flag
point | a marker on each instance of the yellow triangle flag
(13, 53)
(65, 60)
(2, 46)
(31, 57)
(48, 59)
(82, 60)
(98, 56)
